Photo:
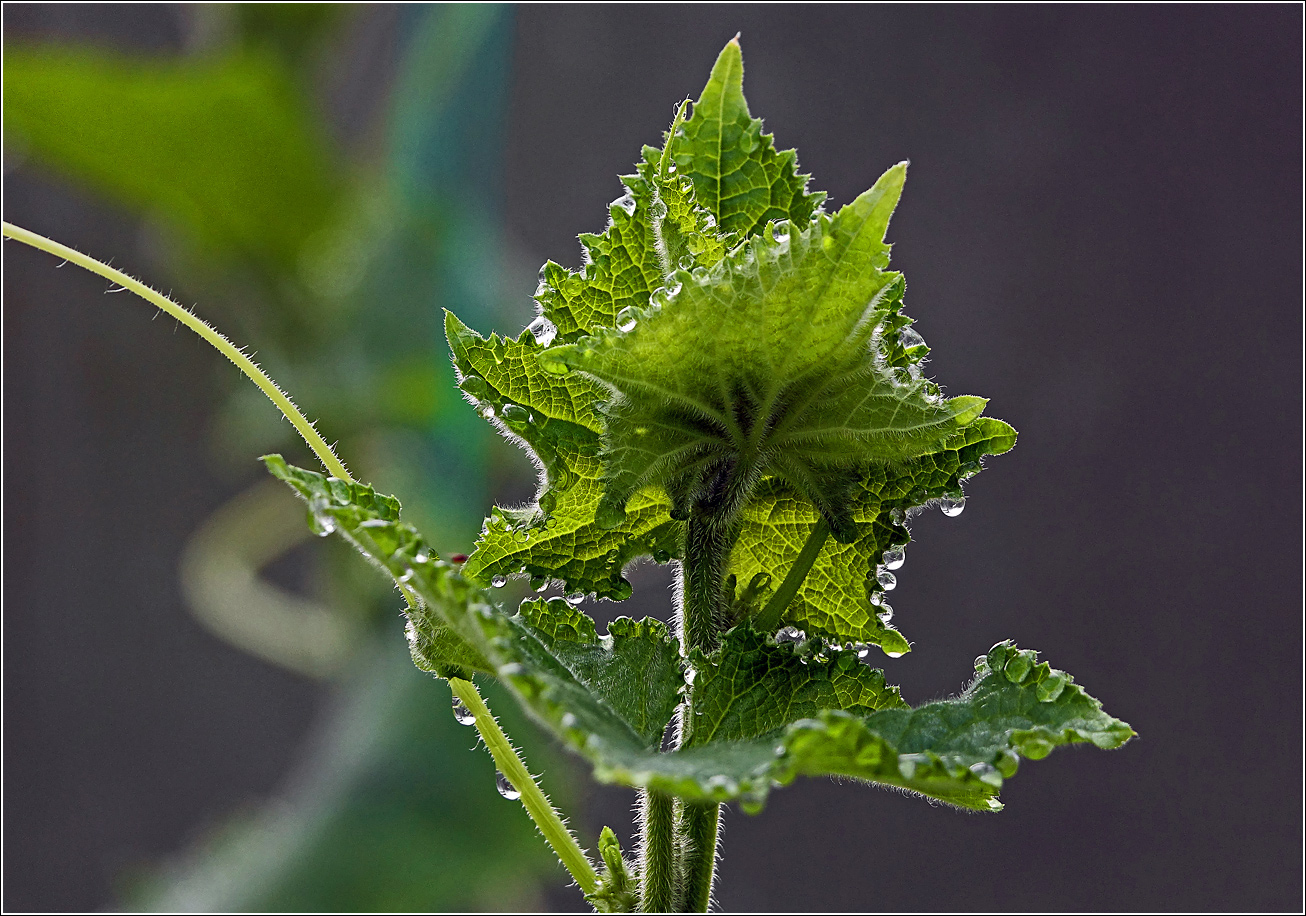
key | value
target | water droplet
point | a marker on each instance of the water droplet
(554, 367)
(621, 590)
(323, 524)
(863, 651)
(475, 386)
(515, 413)
(661, 556)
(709, 221)
(659, 209)
(885, 614)
(660, 297)
(987, 773)
(499, 581)
(461, 714)
(673, 289)
(671, 168)
(952, 505)
(910, 338)
(573, 286)
(543, 330)
(609, 515)
(981, 663)
(1051, 687)
(505, 787)
(627, 319)
(888, 581)
(790, 634)
(1018, 667)
(894, 557)
(625, 202)
(486, 411)
(876, 597)
(699, 274)
(993, 804)
(575, 598)
(423, 555)
(894, 644)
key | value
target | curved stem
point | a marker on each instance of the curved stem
(537, 805)
(226, 347)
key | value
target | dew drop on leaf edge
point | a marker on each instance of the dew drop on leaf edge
(627, 319)
(894, 558)
(543, 330)
(499, 581)
(952, 506)
(888, 581)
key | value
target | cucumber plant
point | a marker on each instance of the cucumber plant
(730, 385)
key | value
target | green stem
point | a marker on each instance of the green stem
(657, 866)
(699, 827)
(226, 347)
(537, 805)
(769, 618)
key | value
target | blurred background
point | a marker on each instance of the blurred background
(1102, 233)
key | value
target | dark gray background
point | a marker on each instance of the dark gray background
(1101, 232)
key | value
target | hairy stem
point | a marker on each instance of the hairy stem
(224, 346)
(708, 540)
(699, 828)
(657, 855)
(769, 617)
(537, 805)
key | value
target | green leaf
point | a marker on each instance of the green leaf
(738, 175)
(225, 147)
(793, 384)
(556, 419)
(622, 688)
(765, 722)
(841, 598)
(370, 522)
(749, 687)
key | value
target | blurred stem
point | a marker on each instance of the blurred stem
(537, 804)
(200, 327)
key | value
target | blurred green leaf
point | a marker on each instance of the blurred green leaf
(227, 148)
